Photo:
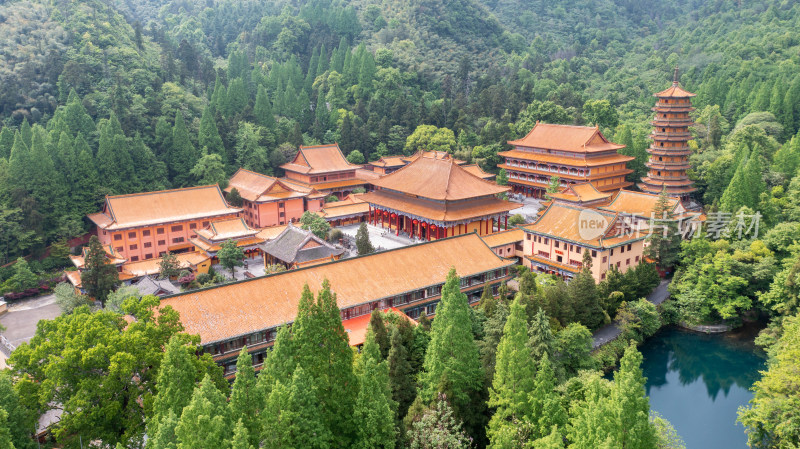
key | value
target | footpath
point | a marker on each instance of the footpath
(611, 331)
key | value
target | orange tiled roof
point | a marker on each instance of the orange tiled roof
(334, 210)
(581, 192)
(166, 206)
(214, 247)
(639, 204)
(227, 229)
(270, 232)
(436, 211)
(563, 221)
(254, 186)
(367, 175)
(433, 155)
(475, 170)
(113, 257)
(357, 327)
(230, 310)
(553, 263)
(153, 266)
(576, 139)
(564, 160)
(504, 237)
(390, 161)
(439, 179)
(674, 91)
(319, 159)
(74, 278)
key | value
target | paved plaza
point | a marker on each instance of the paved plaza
(254, 266)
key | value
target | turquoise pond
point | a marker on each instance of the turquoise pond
(699, 381)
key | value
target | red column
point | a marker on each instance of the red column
(506, 221)
(397, 231)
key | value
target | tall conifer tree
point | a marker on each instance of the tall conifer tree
(375, 411)
(246, 400)
(514, 375)
(204, 423)
(452, 358)
(183, 155)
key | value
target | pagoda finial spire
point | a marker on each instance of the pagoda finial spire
(675, 76)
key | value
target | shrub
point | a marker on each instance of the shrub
(335, 235)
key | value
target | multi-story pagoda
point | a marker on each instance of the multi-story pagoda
(669, 153)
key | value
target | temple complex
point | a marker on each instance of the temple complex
(410, 279)
(433, 198)
(268, 201)
(142, 226)
(324, 169)
(669, 152)
(572, 153)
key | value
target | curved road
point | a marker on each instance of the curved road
(611, 331)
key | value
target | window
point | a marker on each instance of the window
(559, 258)
(162, 242)
(578, 249)
(618, 264)
(546, 240)
(177, 228)
(556, 243)
(133, 247)
(282, 214)
(146, 233)
(134, 258)
(528, 236)
(622, 249)
(160, 231)
(594, 253)
(629, 246)
(612, 251)
(602, 276)
(177, 240)
(132, 235)
(192, 225)
(118, 249)
(205, 224)
(147, 245)
(636, 259)
(117, 236)
(605, 259)
(148, 256)
(281, 205)
(628, 261)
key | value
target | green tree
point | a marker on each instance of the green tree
(241, 437)
(99, 277)
(574, 346)
(67, 298)
(263, 109)
(103, 384)
(375, 410)
(182, 156)
(169, 267)
(23, 278)
(246, 400)
(439, 428)
(20, 422)
(323, 350)
(294, 417)
(502, 177)
(583, 296)
(210, 169)
(230, 256)
(316, 224)
(234, 198)
(363, 245)
(452, 360)
(664, 238)
(430, 138)
(772, 416)
(631, 406)
(545, 402)
(379, 332)
(542, 341)
(208, 137)
(250, 153)
(600, 112)
(401, 371)
(514, 374)
(492, 334)
(355, 157)
(205, 422)
(164, 437)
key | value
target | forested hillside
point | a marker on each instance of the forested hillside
(143, 95)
